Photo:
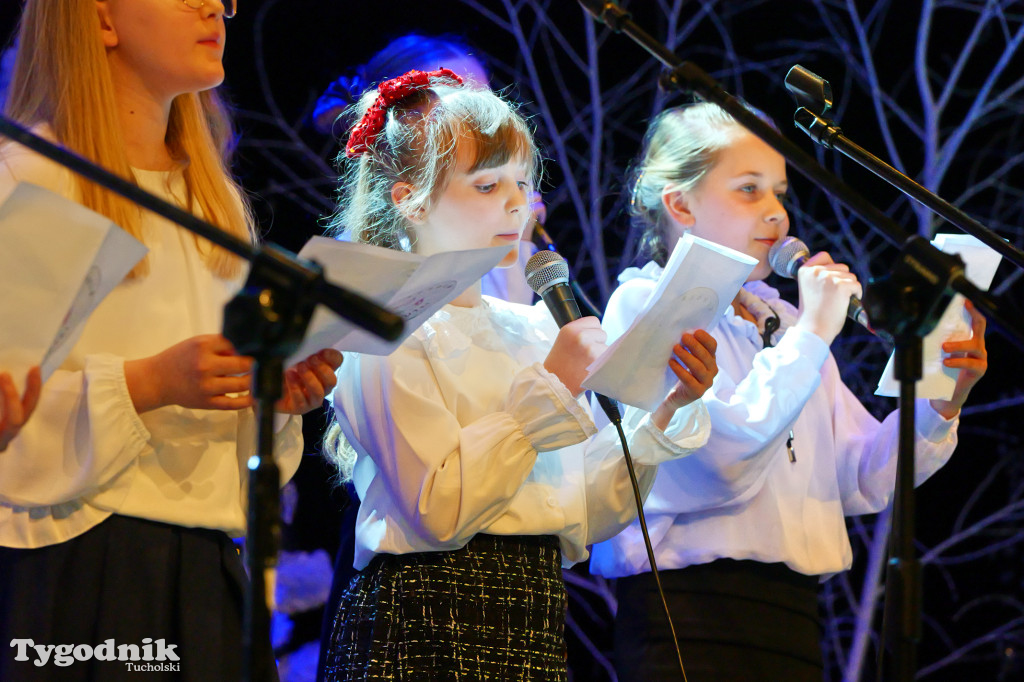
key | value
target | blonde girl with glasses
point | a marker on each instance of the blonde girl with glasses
(119, 498)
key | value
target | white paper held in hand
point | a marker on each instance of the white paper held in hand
(415, 287)
(58, 261)
(698, 283)
(938, 381)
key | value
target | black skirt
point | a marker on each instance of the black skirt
(493, 610)
(737, 621)
(134, 582)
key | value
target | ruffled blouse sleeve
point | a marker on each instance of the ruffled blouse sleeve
(450, 480)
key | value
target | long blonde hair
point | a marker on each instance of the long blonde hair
(62, 78)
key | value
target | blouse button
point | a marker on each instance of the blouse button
(552, 502)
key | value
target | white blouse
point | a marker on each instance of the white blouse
(86, 453)
(740, 496)
(462, 431)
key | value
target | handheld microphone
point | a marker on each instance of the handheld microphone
(547, 273)
(543, 242)
(788, 255)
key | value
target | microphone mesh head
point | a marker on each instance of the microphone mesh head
(785, 256)
(544, 269)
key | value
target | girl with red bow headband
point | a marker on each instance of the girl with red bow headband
(478, 465)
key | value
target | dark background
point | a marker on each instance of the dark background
(283, 53)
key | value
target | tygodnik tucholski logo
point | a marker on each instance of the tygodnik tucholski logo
(150, 656)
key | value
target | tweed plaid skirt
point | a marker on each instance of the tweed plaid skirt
(493, 610)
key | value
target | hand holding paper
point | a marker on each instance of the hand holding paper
(699, 281)
(205, 372)
(695, 366)
(969, 359)
(307, 383)
(202, 372)
(940, 381)
(15, 410)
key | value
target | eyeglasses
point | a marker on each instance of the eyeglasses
(230, 6)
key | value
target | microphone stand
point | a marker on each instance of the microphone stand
(906, 303)
(901, 622)
(814, 98)
(542, 240)
(687, 76)
(267, 320)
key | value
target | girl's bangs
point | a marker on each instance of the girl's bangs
(509, 142)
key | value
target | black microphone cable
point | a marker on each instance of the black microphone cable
(542, 240)
(788, 255)
(547, 273)
(612, 412)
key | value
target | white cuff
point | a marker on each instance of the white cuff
(549, 416)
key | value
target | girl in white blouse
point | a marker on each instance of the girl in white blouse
(744, 527)
(479, 469)
(118, 499)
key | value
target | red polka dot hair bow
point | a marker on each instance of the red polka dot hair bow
(389, 93)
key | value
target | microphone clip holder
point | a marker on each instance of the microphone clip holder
(813, 96)
(910, 299)
(822, 130)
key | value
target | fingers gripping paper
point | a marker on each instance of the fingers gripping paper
(699, 282)
(937, 380)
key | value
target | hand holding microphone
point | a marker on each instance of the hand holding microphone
(577, 345)
(581, 339)
(829, 292)
(826, 289)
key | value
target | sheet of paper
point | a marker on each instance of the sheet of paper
(938, 381)
(699, 282)
(58, 261)
(414, 287)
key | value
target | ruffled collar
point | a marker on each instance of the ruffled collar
(649, 271)
(493, 325)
